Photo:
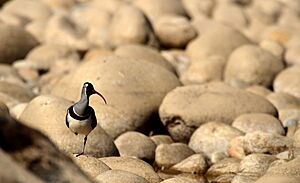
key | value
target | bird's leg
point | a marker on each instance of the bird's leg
(84, 142)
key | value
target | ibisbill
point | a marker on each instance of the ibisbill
(81, 118)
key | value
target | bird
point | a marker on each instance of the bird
(80, 117)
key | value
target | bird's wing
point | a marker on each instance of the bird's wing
(93, 117)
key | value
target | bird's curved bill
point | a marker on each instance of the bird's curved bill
(95, 92)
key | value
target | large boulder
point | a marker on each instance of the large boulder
(133, 88)
(143, 53)
(48, 114)
(186, 108)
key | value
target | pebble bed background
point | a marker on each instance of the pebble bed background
(198, 91)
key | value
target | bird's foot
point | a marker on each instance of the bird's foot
(76, 155)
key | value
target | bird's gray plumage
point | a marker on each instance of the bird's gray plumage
(81, 118)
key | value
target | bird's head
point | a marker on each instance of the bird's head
(88, 90)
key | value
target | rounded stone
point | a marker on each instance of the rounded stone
(132, 165)
(62, 30)
(167, 155)
(137, 145)
(224, 170)
(195, 8)
(288, 81)
(174, 31)
(156, 8)
(20, 93)
(48, 113)
(96, 53)
(95, 19)
(273, 47)
(119, 176)
(146, 53)
(230, 14)
(132, 95)
(16, 43)
(276, 33)
(186, 108)
(17, 110)
(259, 90)
(218, 42)
(252, 65)
(27, 9)
(213, 137)
(283, 173)
(194, 164)
(46, 54)
(179, 180)
(253, 166)
(205, 71)
(292, 56)
(177, 58)
(9, 74)
(129, 26)
(283, 100)
(90, 165)
(262, 142)
(161, 139)
(258, 122)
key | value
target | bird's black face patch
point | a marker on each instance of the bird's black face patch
(89, 88)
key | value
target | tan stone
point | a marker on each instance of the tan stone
(132, 96)
(283, 100)
(213, 137)
(156, 8)
(137, 145)
(119, 176)
(287, 81)
(258, 122)
(48, 114)
(174, 31)
(167, 155)
(259, 90)
(132, 165)
(186, 108)
(16, 43)
(252, 65)
(90, 165)
(129, 26)
(145, 53)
